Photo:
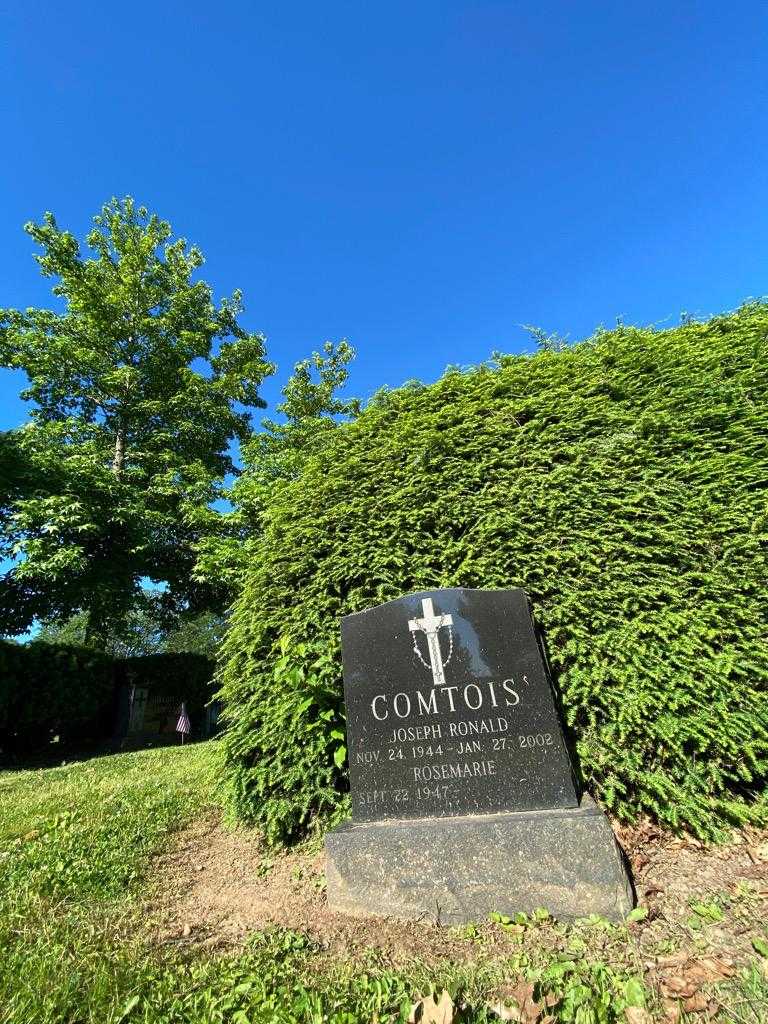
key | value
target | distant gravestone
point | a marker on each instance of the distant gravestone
(464, 798)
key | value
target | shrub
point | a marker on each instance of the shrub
(621, 481)
(67, 695)
(49, 691)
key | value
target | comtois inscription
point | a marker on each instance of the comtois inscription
(444, 698)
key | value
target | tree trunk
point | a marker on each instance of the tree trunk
(95, 629)
(119, 458)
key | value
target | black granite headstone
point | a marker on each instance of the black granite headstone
(463, 794)
(450, 709)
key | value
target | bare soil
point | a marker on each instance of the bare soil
(215, 886)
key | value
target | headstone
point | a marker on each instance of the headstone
(137, 708)
(464, 798)
(450, 709)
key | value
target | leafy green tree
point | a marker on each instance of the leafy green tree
(312, 409)
(11, 468)
(140, 632)
(70, 632)
(17, 480)
(139, 383)
(146, 629)
(202, 634)
(15, 475)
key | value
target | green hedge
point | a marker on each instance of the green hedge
(622, 482)
(51, 690)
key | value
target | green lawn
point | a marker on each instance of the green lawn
(74, 848)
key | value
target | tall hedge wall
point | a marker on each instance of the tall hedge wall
(622, 482)
(49, 691)
(55, 693)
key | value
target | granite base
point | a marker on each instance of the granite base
(456, 870)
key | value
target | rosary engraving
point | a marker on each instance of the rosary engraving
(431, 624)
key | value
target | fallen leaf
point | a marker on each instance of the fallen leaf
(716, 967)
(525, 1008)
(636, 1015)
(430, 1011)
(695, 1003)
(677, 986)
(531, 1010)
(696, 974)
(523, 993)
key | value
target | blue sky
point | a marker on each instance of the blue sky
(419, 178)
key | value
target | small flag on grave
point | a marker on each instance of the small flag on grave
(183, 725)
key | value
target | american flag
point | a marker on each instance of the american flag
(183, 725)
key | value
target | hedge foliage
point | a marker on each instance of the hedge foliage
(49, 691)
(55, 693)
(621, 481)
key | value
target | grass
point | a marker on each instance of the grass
(75, 843)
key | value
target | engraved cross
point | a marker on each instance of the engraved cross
(430, 624)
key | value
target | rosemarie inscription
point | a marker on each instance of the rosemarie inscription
(464, 798)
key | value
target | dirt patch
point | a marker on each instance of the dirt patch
(703, 897)
(215, 887)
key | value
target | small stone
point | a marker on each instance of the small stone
(186, 931)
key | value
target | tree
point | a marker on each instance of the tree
(139, 383)
(199, 635)
(140, 632)
(146, 629)
(17, 480)
(274, 456)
